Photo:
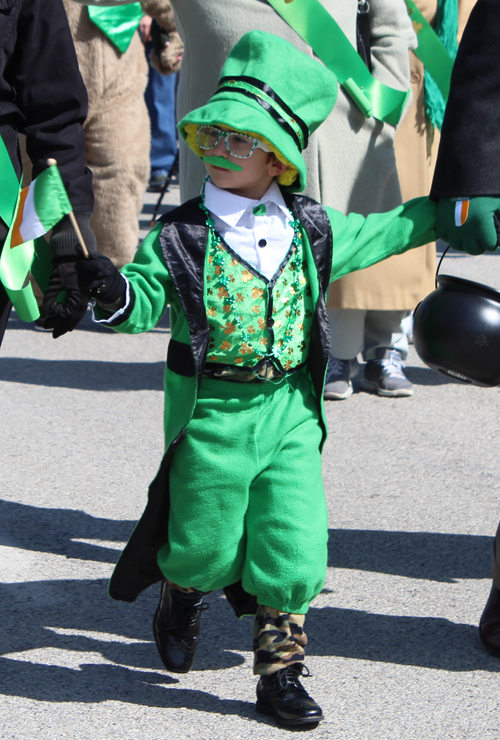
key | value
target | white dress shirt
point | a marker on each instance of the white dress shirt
(261, 240)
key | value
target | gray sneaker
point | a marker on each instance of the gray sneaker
(338, 379)
(385, 375)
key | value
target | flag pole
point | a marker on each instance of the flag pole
(52, 162)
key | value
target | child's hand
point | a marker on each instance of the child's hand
(469, 225)
(100, 279)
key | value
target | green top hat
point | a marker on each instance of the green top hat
(271, 90)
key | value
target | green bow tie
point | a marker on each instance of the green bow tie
(260, 210)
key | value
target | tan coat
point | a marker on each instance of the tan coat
(399, 283)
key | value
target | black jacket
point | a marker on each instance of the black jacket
(42, 93)
(468, 161)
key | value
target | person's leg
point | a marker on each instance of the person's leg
(279, 640)
(210, 476)
(160, 100)
(384, 330)
(286, 516)
(176, 626)
(385, 349)
(285, 562)
(346, 342)
(489, 626)
(209, 480)
(117, 144)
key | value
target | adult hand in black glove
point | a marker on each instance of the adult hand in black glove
(100, 279)
(63, 315)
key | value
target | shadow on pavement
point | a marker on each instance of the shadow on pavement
(80, 637)
(79, 653)
(428, 555)
(432, 556)
(86, 324)
(78, 616)
(99, 683)
(85, 375)
(53, 531)
(426, 376)
(92, 649)
(428, 642)
(416, 375)
(92, 375)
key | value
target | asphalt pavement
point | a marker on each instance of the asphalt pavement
(413, 496)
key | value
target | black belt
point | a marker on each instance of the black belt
(242, 375)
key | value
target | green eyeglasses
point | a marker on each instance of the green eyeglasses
(239, 145)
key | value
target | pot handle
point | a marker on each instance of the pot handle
(439, 265)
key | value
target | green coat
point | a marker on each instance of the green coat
(170, 269)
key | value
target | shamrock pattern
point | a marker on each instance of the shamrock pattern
(251, 318)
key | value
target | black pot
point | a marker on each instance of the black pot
(456, 330)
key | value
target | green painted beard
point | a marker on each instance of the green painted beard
(222, 162)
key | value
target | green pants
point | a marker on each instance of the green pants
(247, 498)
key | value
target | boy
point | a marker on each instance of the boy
(238, 502)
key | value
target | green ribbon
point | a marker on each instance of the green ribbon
(15, 263)
(9, 186)
(24, 302)
(431, 51)
(41, 269)
(118, 23)
(22, 298)
(314, 24)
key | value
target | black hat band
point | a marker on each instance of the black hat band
(271, 102)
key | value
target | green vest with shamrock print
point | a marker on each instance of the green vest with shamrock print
(252, 319)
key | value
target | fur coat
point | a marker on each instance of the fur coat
(117, 131)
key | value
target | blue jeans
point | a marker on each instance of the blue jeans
(160, 100)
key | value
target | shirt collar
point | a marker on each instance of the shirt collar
(230, 207)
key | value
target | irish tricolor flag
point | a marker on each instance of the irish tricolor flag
(461, 211)
(41, 206)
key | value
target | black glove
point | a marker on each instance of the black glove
(64, 241)
(65, 315)
(100, 279)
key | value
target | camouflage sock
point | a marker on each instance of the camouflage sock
(278, 640)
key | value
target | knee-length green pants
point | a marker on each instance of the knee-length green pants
(247, 498)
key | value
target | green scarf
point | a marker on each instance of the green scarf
(446, 30)
(118, 23)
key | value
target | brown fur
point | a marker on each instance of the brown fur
(116, 131)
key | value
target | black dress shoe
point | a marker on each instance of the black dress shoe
(489, 626)
(282, 696)
(176, 629)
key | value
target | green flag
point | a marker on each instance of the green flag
(38, 209)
